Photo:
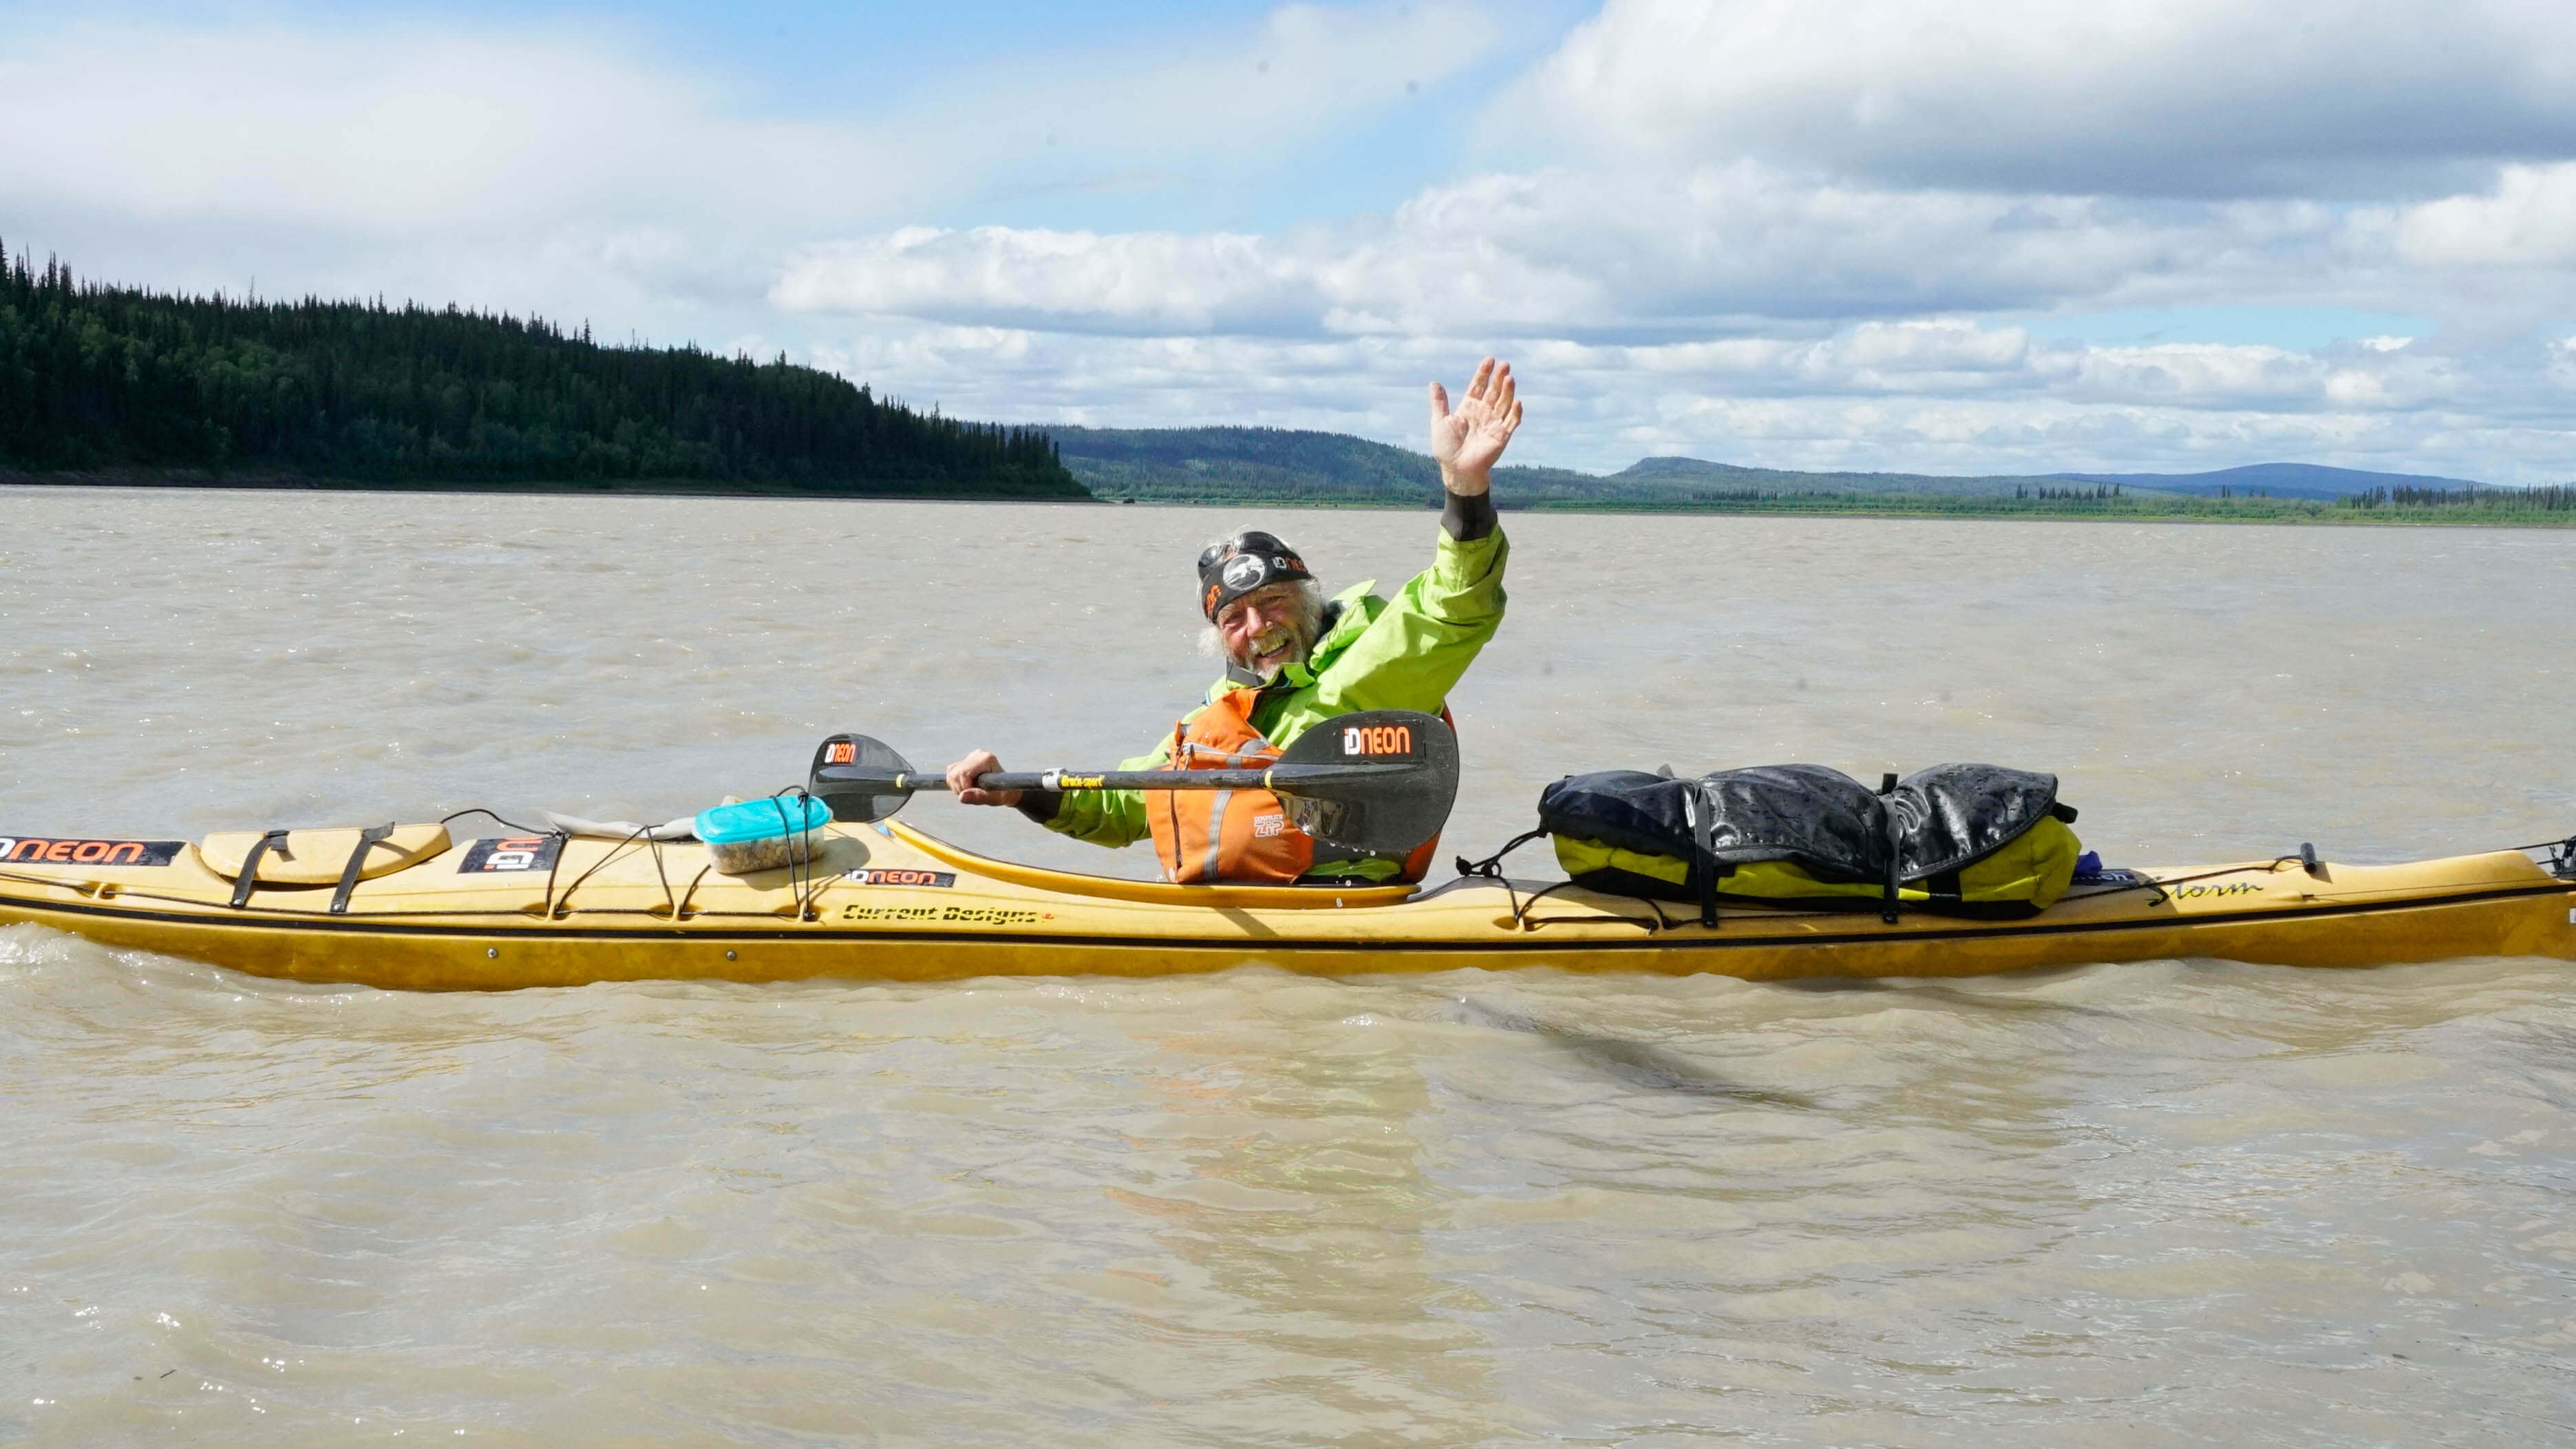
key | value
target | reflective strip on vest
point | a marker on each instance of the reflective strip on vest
(1214, 867)
(1209, 835)
(1191, 836)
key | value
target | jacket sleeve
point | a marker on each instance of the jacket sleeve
(1414, 652)
(1110, 817)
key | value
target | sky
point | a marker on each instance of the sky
(1947, 236)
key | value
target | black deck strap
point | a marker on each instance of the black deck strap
(681, 912)
(802, 877)
(553, 866)
(1521, 908)
(368, 839)
(564, 905)
(248, 880)
(1492, 865)
(1895, 842)
(514, 827)
(664, 877)
(1699, 877)
(1521, 911)
(2308, 858)
(795, 877)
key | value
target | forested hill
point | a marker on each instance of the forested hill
(1267, 464)
(121, 382)
(1264, 465)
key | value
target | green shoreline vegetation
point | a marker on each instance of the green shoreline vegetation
(2555, 507)
(114, 384)
(1270, 467)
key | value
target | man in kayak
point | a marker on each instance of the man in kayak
(1295, 660)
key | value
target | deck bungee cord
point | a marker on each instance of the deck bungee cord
(813, 881)
(2109, 882)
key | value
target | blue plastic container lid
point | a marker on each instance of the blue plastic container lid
(772, 818)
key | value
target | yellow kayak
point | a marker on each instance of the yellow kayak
(409, 907)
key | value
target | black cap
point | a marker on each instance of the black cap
(1234, 568)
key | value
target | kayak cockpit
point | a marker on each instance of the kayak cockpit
(1150, 892)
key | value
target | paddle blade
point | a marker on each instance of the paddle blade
(851, 774)
(1378, 782)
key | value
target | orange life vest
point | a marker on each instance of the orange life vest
(1242, 836)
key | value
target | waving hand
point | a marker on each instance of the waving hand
(1468, 441)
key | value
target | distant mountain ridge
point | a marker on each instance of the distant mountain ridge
(1669, 473)
(2274, 480)
(1294, 465)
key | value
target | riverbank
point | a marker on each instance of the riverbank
(1267, 467)
(2156, 508)
(2132, 508)
(927, 491)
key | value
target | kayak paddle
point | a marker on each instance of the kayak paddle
(1376, 782)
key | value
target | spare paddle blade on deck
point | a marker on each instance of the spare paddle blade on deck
(1377, 782)
(851, 774)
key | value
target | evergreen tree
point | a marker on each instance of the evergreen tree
(95, 377)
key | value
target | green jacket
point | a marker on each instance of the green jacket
(1400, 653)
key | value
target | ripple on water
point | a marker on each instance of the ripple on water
(2179, 1200)
(2146, 1200)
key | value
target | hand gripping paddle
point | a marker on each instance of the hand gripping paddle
(1378, 782)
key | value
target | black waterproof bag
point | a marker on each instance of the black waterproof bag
(1907, 843)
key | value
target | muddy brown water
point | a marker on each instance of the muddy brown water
(2181, 1201)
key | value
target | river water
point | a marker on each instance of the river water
(2184, 1201)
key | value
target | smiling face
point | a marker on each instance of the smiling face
(1271, 626)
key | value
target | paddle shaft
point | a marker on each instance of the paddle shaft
(1371, 782)
(1280, 778)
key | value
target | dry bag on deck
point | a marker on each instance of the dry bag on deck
(1973, 840)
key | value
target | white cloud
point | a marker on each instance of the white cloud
(392, 130)
(1155, 282)
(1589, 252)
(2529, 217)
(554, 168)
(381, 135)
(1781, 237)
(2121, 97)
(1737, 311)
(1713, 252)
(2560, 366)
(1942, 395)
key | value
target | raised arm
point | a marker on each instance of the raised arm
(1417, 646)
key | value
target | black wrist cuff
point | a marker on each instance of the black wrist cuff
(1041, 805)
(1468, 517)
